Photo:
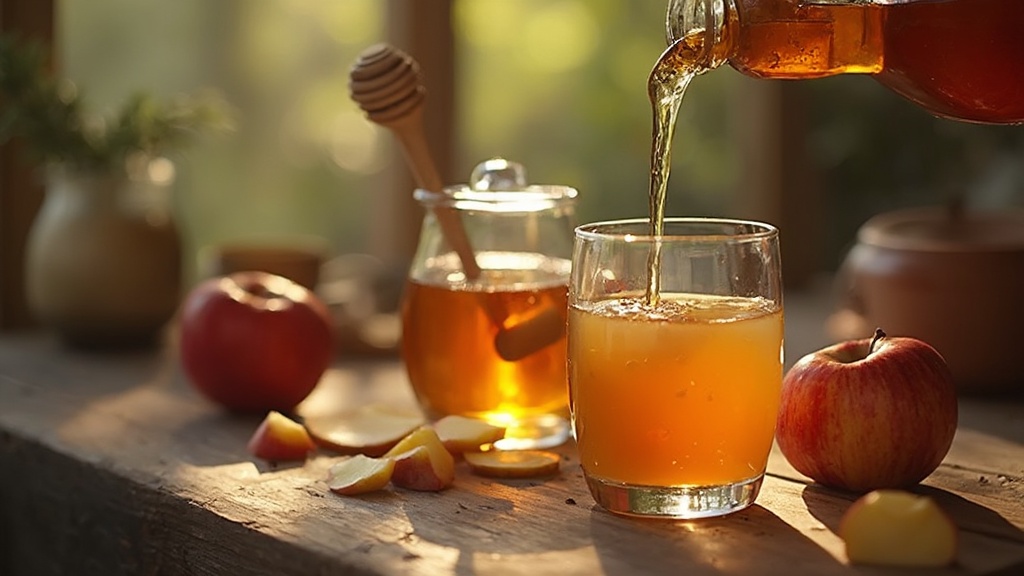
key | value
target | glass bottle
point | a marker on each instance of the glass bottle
(959, 59)
(483, 334)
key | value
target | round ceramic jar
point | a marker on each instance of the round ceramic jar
(954, 280)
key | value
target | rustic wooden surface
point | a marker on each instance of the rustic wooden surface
(113, 465)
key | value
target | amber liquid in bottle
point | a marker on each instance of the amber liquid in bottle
(962, 59)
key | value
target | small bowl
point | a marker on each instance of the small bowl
(952, 279)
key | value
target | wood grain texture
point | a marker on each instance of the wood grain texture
(113, 465)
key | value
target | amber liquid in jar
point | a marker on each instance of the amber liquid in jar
(962, 59)
(449, 351)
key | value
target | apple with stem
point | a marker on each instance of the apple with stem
(866, 414)
(254, 341)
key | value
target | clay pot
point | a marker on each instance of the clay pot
(951, 279)
(103, 260)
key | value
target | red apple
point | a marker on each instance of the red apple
(868, 414)
(279, 439)
(253, 341)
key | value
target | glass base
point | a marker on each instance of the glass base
(535, 433)
(676, 501)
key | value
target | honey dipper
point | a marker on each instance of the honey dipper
(385, 82)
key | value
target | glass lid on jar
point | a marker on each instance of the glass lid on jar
(500, 185)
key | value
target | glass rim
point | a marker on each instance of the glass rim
(594, 230)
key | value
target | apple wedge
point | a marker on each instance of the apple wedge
(898, 528)
(359, 474)
(513, 463)
(422, 462)
(461, 434)
(369, 430)
(278, 438)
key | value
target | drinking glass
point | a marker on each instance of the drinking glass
(675, 363)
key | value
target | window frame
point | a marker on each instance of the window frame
(420, 27)
(777, 186)
(21, 191)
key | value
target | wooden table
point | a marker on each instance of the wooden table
(113, 465)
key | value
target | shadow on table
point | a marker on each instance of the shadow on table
(1000, 416)
(489, 526)
(752, 541)
(968, 516)
(821, 503)
(971, 516)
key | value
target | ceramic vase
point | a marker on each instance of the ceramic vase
(103, 261)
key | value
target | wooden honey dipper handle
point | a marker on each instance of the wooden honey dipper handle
(385, 82)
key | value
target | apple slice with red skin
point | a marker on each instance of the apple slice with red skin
(898, 528)
(422, 462)
(868, 414)
(360, 474)
(279, 439)
(462, 434)
(371, 430)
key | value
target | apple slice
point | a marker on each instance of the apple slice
(422, 462)
(359, 474)
(461, 434)
(278, 438)
(513, 463)
(898, 528)
(369, 430)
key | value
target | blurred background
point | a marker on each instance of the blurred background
(558, 85)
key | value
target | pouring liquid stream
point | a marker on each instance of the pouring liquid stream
(666, 86)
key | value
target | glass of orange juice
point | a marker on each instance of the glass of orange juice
(486, 339)
(675, 363)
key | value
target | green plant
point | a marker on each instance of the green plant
(46, 113)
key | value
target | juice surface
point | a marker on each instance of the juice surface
(448, 346)
(685, 398)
